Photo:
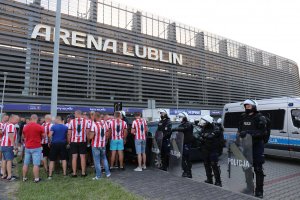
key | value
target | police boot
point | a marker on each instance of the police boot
(189, 174)
(259, 191)
(217, 172)
(184, 174)
(208, 172)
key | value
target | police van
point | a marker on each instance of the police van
(284, 114)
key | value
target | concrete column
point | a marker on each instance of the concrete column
(223, 47)
(199, 41)
(31, 76)
(171, 32)
(273, 61)
(94, 10)
(242, 53)
(137, 22)
(91, 68)
(258, 58)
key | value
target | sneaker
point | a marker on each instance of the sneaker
(108, 175)
(144, 167)
(11, 178)
(25, 179)
(49, 177)
(37, 180)
(96, 178)
(138, 169)
(122, 168)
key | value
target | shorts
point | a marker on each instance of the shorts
(58, 149)
(116, 145)
(35, 154)
(8, 153)
(78, 148)
(46, 150)
(140, 146)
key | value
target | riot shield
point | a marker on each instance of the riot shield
(176, 151)
(240, 173)
(156, 149)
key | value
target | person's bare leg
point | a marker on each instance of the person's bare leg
(3, 167)
(83, 163)
(8, 168)
(25, 170)
(121, 158)
(45, 163)
(51, 167)
(36, 171)
(144, 159)
(64, 166)
(112, 158)
(140, 160)
(74, 163)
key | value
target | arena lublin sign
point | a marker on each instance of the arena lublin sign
(84, 40)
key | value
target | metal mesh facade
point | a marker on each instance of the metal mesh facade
(215, 70)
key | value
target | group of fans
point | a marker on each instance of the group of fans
(85, 135)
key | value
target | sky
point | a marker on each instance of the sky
(270, 25)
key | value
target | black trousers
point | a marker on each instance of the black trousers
(165, 153)
(186, 161)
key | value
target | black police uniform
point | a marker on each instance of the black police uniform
(187, 129)
(210, 140)
(255, 125)
(165, 127)
(220, 130)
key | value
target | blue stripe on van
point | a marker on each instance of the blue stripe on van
(273, 139)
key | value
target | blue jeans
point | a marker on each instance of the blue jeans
(99, 153)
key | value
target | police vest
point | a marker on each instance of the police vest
(249, 123)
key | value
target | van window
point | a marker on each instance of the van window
(296, 117)
(231, 120)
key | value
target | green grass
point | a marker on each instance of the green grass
(71, 188)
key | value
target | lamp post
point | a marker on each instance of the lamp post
(177, 99)
(55, 61)
(3, 91)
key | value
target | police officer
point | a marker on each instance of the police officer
(187, 129)
(165, 127)
(254, 123)
(210, 141)
(219, 128)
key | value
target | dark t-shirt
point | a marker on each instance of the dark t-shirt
(60, 132)
(33, 134)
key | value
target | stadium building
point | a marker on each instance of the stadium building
(111, 53)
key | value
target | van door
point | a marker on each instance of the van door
(294, 131)
(278, 144)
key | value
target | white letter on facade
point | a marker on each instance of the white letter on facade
(76, 39)
(91, 39)
(152, 53)
(113, 47)
(36, 32)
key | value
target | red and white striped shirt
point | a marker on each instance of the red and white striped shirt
(117, 127)
(9, 128)
(2, 127)
(140, 126)
(47, 128)
(79, 127)
(99, 128)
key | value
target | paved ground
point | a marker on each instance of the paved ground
(8, 189)
(281, 182)
(156, 184)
